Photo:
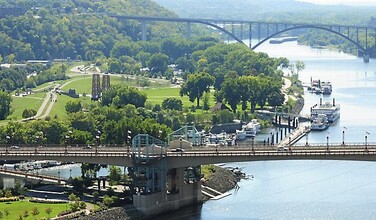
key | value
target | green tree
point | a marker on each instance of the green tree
(115, 174)
(6, 212)
(8, 193)
(73, 106)
(29, 113)
(158, 63)
(35, 211)
(5, 105)
(195, 86)
(107, 200)
(48, 211)
(25, 214)
(230, 90)
(172, 104)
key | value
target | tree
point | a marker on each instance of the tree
(115, 174)
(5, 107)
(299, 66)
(73, 106)
(172, 104)
(107, 200)
(25, 214)
(27, 113)
(196, 85)
(8, 193)
(158, 63)
(35, 211)
(6, 212)
(231, 93)
(95, 196)
(48, 211)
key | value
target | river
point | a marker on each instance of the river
(312, 189)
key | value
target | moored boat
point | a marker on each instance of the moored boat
(320, 123)
(331, 110)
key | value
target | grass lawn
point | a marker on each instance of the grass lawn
(19, 207)
(19, 104)
(59, 107)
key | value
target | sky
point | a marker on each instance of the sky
(344, 2)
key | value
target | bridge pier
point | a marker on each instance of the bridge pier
(189, 30)
(143, 30)
(156, 188)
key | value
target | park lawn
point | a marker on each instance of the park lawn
(59, 107)
(81, 84)
(18, 208)
(19, 104)
(156, 96)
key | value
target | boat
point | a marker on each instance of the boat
(320, 87)
(282, 40)
(331, 110)
(320, 123)
(251, 128)
(240, 135)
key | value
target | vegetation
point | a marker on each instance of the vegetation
(24, 208)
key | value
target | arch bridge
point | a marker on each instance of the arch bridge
(241, 30)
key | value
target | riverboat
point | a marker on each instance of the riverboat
(282, 40)
(331, 110)
(251, 128)
(320, 87)
(320, 123)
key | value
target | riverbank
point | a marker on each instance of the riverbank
(223, 180)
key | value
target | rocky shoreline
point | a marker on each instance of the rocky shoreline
(224, 179)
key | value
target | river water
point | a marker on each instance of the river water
(312, 189)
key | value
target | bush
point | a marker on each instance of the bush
(35, 200)
(10, 199)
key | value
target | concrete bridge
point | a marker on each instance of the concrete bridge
(166, 178)
(121, 156)
(262, 30)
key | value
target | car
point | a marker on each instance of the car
(14, 147)
(87, 147)
(282, 148)
(179, 149)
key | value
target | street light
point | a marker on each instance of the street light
(129, 138)
(327, 141)
(343, 135)
(98, 139)
(365, 138)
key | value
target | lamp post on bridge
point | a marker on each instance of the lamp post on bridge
(8, 141)
(327, 142)
(343, 135)
(129, 138)
(365, 139)
(98, 140)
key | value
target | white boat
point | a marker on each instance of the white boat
(320, 123)
(331, 110)
(240, 135)
(251, 128)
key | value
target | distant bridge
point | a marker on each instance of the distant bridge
(241, 29)
(196, 156)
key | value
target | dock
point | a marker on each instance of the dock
(295, 136)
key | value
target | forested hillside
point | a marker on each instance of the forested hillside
(79, 29)
(270, 10)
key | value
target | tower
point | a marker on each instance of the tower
(105, 82)
(95, 87)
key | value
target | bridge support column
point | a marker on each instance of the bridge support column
(182, 190)
(143, 30)
(189, 31)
